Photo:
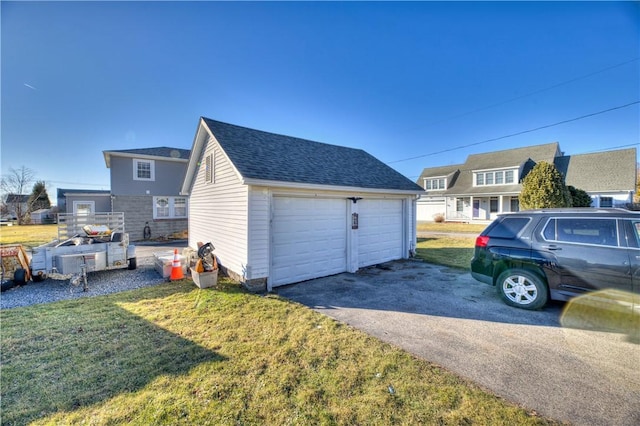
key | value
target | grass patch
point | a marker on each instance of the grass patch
(446, 250)
(174, 354)
(471, 228)
(28, 235)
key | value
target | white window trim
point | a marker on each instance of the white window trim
(152, 168)
(435, 179)
(493, 172)
(210, 168)
(78, 203)
(172, 214)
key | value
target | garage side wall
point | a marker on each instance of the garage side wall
(218, 211)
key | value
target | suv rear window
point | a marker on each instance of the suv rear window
(508, 227)
(585, 231)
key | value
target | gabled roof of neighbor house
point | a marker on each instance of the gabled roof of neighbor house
(279, 159)
(161, 152)
(601, 171)
(16, 198)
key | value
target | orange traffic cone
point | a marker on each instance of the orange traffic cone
(176, 268)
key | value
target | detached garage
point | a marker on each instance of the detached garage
(282, 210)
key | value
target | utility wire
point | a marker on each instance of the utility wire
(517, 133)
(535, 92)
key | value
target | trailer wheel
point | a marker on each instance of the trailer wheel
(20, 276)
(7, 285)
(133, 264)
(37, 278)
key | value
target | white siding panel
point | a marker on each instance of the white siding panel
(259, 218)
(381, 231)
(309, 238)
(218, 212)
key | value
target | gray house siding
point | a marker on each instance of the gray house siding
(138, 212)
(168, 177)
(102, 203)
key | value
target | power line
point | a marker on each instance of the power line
(517, 133)
(535, 92)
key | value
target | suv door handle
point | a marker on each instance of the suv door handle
(552, 247)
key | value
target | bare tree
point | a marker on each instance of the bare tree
(13, 186)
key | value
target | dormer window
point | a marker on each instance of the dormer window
(494, 177)
(433, 184)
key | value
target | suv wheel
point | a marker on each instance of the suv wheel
(522, 289)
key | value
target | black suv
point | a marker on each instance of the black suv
(536, 255)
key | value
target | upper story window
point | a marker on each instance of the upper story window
(435, 183)
(494, 177)
(144, 169)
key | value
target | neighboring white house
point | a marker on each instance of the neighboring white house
(281, 210)
(488, 184)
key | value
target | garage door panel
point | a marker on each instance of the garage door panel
(309, 239)
(380, 237)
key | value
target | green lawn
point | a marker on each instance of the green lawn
(174, 354)
(28, 235)
(446, 250)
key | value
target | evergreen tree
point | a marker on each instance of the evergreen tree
(579, 197)
(39, 199)
(544, 187)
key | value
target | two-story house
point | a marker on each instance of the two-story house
(145, 185)
(488, 184)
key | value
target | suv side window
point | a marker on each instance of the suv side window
(509, 227)
(583, 231)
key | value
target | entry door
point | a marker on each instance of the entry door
(476, 209)
(309, 238)
(84, 208)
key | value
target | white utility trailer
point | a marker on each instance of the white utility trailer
(86, 243)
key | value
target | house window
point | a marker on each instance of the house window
(143, 169)
(508, 176)
(434, 184)
(209, 171)
(83, 208)
(606, 201)
(169, 207)
(459, 204)
(493, 205)
(499, 177)
(515, 204)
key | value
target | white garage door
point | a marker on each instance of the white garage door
(380, 232)
(309, 239)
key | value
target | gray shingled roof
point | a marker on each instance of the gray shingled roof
(602, 171)
(493, 160)
(268, 156)
(161, 151)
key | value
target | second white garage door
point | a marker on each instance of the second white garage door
(309, 239)
(380, 233)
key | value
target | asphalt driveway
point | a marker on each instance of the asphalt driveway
(578, 375)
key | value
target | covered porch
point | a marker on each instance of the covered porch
(479, 208)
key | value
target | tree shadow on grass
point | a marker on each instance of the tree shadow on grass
(80, 356)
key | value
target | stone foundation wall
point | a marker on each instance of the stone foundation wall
(138, 211)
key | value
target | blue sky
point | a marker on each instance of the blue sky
(432, 80)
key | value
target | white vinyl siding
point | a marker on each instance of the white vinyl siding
(259, 221)
(218, 212)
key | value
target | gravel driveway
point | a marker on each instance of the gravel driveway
(99, 283)
(575, 375)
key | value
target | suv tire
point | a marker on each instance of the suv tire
(522, 289)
